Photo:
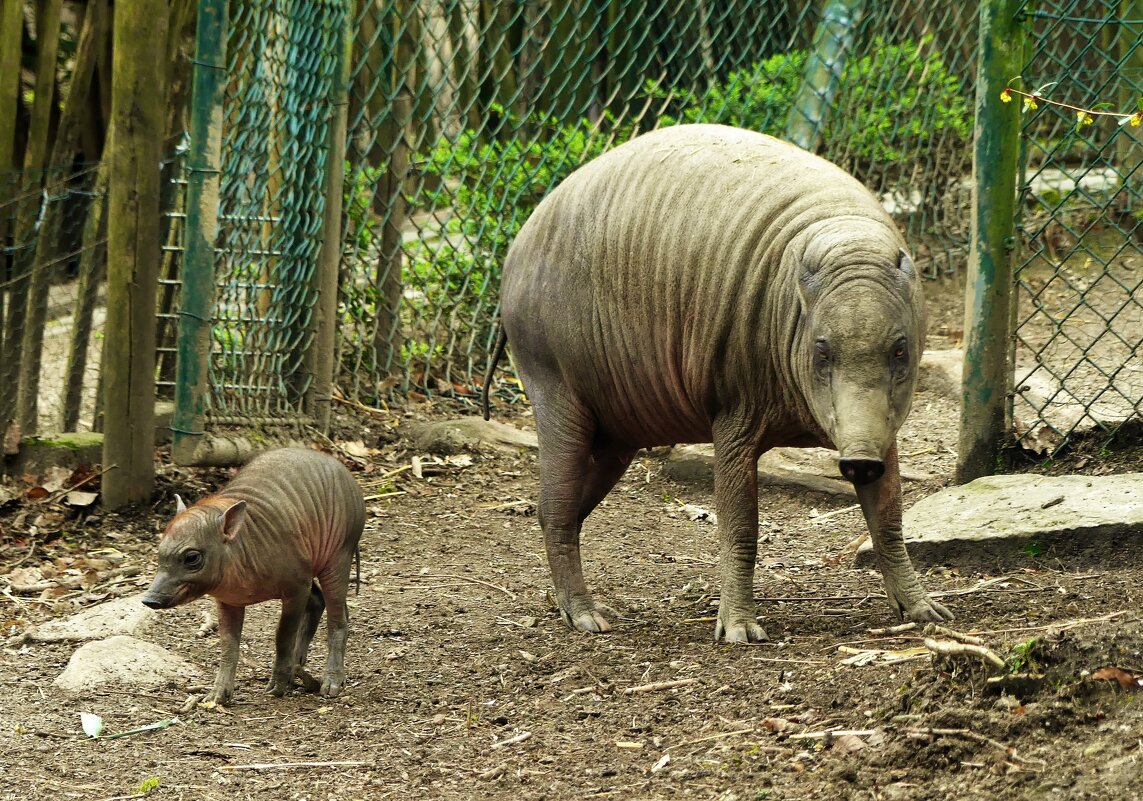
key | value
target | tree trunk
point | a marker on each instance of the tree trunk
(47, 239)
(133, 253)
(47, 46)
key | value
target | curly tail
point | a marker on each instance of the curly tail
(497, 352)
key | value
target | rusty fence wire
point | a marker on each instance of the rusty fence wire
(1078, 318)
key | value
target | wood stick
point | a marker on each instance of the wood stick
(659, 685)
(894, 629)
(519, 738)
(971, 735)
(933, 628)
(960, 649)
(1083, 621)
(290, 765)
(835, 513)
(818, 735)
(361, 407)
(709, 737)
(482, 583)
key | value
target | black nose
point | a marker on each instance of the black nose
(153, 603)
(862, 471)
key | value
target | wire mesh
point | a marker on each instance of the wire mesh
(465, 113)
(281, 60)
(51, 267)
(1078, 328)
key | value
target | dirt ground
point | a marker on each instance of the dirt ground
(463, 682)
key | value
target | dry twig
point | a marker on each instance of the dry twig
(960, 649)
(659, 685)
(519, 738)
(350, 763)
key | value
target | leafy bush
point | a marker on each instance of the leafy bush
(900, 104)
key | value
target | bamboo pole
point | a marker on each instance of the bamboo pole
(133, 252)
(987, 377)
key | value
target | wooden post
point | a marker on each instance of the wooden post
(11, 29)
(321, 353)
(133, 248)
(987, 376)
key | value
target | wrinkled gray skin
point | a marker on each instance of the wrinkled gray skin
(707, 284)
(290, 516)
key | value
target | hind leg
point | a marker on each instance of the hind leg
(574, 478)
(315, 606)
(335, 584)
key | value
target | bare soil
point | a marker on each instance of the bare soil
(464, 683)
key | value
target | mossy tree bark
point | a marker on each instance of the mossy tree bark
(133, 239)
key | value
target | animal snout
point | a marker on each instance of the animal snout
(154, 602)
(861, 471)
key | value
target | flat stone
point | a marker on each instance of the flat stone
(449, 437)
(126, 662)
(813, 469)
(999, 519)
(121, 616)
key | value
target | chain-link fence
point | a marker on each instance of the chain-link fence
(51, 273)
(463, 114)
(1078, 328)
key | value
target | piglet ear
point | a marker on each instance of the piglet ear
(233, 520)
(180, 507)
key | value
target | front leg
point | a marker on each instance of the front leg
(285, 641)
(230, 635)
(881, 505)
(736, 503)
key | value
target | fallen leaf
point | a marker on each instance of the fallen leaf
(356, 449)
(664, 760)
(698, 513)
(92, 724)
(37, 493)
(1126, 680)
(81, 498)
(775, 724)
(848, 743)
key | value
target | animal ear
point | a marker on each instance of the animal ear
(179, 505)
(809, 286)
(233, 520)
(905, 264)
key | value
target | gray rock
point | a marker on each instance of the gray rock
(813, 469)
(126, 662)
(1002, 518)
(121, 616)
(448, 437)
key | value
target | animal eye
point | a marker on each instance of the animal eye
(900, 356)
(192, 559)
(821, 353)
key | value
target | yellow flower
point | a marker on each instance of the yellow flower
(1030, 104)
(1083, 118)
(1006, 96)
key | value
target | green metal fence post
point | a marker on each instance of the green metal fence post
(202, 222)
(987, 375)
(324, 345)
(833, 40)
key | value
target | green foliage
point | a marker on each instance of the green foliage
(758, 98)
(148, 785)
(1032, 549)
(492, 185)
(1024, 656)
(901, 104)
